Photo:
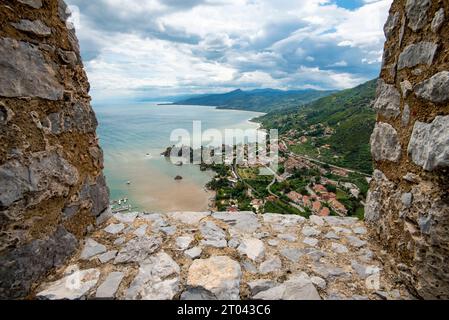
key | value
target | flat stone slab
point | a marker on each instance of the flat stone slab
(190, 218)
(109, 287)
(71, 287)
(292, 254)
(138, 249)
(193, 253)
(213, 235)
(272, 264)
(183, 243)
(252, 248)
(126, 217)
(114, 228)
(108, 256)
(91, 249)
(218, 275)
(246, 222)
(296, 288)
(158, 279)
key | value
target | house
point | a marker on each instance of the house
(295, 197)
(325, 212)
(257, 204)
(338, 206)
(319, 188)
(340, 172)
(316, 206)
(306, 201)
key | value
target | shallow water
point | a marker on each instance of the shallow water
(129, 132)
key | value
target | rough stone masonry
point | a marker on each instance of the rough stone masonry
(51, 183)
(408, 205)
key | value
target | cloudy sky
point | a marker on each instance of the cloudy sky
(156, 48)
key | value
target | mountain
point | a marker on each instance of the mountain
(261, 100)
(342, 122)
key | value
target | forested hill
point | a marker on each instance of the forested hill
(261, 100)
(342, 122)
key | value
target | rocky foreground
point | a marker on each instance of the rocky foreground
(197, 256)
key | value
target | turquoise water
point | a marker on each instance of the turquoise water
(132, 138)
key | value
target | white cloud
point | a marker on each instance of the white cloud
(159, 47)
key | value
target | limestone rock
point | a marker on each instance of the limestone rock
(31, 261)
(71, 287)
(36, 27)
(197, 294)
(47, 175)
(407, 199)
(434, 89)
(193, 253)
(272, 264)
(283, 219)
(311, 241)
(108, 256)
(360, 230)
(319, 282)
(246, 222)
(27, 74)
(385, 143)
(364, 271)
(141, 231)
(126, 217)
(429, 144)
(438, 20)
(138, 249)
(418, 53)
(261, 285)
(109, 287)
(391, 23)
(388, 100)
(183, 243)
(114, 228)
(317, 220)
(35, 4)
(189, 218)
(405, 120)
(416, 11)
(406, 88)
(158, 279)
(310, 232)
(296, 288)
(252, 248)
(288, 237)
(213, 235)
(331, 235)
(327, 271)
(91, 249)
(355, 242)
(339, 248)
(292, 254)
(218, 275)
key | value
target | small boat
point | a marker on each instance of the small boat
(177, 178)
(128, 182)
(179, 164)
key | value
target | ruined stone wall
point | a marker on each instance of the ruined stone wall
(51, 183)
(408, 204)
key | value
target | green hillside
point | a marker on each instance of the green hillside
(347, 114)
(262, 100)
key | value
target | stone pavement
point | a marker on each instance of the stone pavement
(226, 256)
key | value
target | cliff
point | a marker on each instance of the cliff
(408, 205)
(51, 183)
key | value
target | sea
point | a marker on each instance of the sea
(134, 135)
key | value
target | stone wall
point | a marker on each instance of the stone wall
(408, 205)
(51, 183)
